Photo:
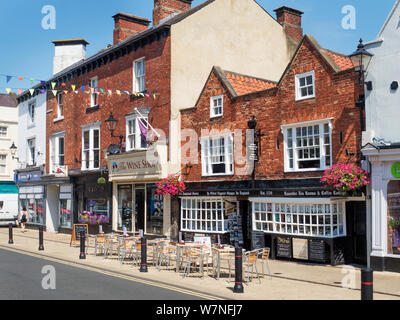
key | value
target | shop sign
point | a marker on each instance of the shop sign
(29, 176)
(133, 166)
(396, 170)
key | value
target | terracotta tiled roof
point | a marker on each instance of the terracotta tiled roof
(7, 100)
(342, 61)
(246, 84)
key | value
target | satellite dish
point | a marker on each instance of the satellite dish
(113, 149)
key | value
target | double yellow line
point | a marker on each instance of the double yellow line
(113, 274)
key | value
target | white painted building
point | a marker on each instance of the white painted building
(381, 142)
(31, 153)
(8, 134)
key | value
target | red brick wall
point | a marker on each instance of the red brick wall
(117, 74)
(336, 95)
(124, 29)
(291, 23)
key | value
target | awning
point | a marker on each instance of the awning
(8, 188)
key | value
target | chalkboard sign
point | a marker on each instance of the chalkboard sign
(317, 250)
(257, 240)
(76, 233)
(284, 247)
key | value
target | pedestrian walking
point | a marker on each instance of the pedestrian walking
(23, 218)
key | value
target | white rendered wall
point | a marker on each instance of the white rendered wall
(67, 55)
(27, 131)
(9, 119)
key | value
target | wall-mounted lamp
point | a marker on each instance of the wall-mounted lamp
(13, 150)
(111, 125)
(369, 85)
(349, 154)
(361, 58)
(394, 85)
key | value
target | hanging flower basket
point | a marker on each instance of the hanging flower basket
(90, 218)
(345, 178)
(172, 186)
(101, 180)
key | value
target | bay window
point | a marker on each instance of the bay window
(217, 155)
(91, 148)
(314, 219)
(308, 146)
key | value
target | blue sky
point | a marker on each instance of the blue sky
(26, 49)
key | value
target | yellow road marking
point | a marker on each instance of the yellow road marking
(113, 274)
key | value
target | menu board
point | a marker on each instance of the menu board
(300, 249)
(257, 240)
(284, 247)
(76, 233)
(317, 250)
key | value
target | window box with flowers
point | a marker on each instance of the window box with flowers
(346, 179)
(95, 221)
(172, 186)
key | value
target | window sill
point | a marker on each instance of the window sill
(216, 117)
(218, 175)
(94, 108)
(58, 119)
(30, 126)
(305, 98)
(306, 170)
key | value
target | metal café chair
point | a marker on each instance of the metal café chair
(250, 261)
(264, 257)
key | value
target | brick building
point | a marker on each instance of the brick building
(172, 59)
(305, 122)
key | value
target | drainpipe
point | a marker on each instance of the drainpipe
(369, 216)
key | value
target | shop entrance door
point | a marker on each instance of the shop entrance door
(139, 209)
(357, 230)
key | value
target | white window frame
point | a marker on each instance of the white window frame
(137, 77)
(323, 154)
(264, 216)
(196, 218)
(55, 151)
(298, 87)
(207, 169)
(91, 148)
(60, 110)
(31, 113)
(213, 108)
(137, 135)
(94, 98)
(3, 163)
(3, 131)
(31, 158)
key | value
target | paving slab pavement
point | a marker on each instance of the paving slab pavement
(290, 281)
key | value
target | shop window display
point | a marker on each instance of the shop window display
(393, 201)
(316, 220)
(35, 208)
(65, 213)
(155, 207)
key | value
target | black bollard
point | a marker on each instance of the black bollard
(10, 233)
(367, 284)
(143, 265)
(238, 271)
(41, 247)
(82, 256)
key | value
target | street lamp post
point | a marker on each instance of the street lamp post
(111, 125)
(254, 147)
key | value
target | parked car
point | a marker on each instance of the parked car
(7, 217)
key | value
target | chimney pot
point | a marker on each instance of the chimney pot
(68, 52)
(127, 25)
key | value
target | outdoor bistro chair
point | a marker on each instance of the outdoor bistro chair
(126, 248)
(222, 259)
(194, 256)
(99, 243)
(111, 244)
(264, 257)
(168, 252)
(250, 261)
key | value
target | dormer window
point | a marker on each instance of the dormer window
(305, 85)
(217, 106)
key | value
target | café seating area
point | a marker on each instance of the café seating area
(189, 259)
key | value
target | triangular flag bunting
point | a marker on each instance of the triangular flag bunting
(32, 91)
(118, 92)
(65, 91)
(32, 81)
(53, 84)
(110, 92)
(83, 88)
(20, 78)
(8, 78)
(55, 92)
(154, 96)
(20, 91)
(73, 87)
(8, 90)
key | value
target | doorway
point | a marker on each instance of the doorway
(357, 230)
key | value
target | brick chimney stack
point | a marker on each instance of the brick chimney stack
(290, 19)
(127, 25)
(164, 8)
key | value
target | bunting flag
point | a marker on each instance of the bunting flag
(73, 87)
(53, 85)
(20, 78)
(8, 90)
(32, 81)
(19, 91)
(83, 88)
(54, 92)
(8, 78)
(32, 91)
(118, 92)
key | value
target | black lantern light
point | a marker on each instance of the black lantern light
(112, 125)
(13, 150)
(361, 58)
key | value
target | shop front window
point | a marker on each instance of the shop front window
(316, 220)
(125, 200)
(394, 217)
(98, 206)
(35, 208)
(155, 211)
(65, 213)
